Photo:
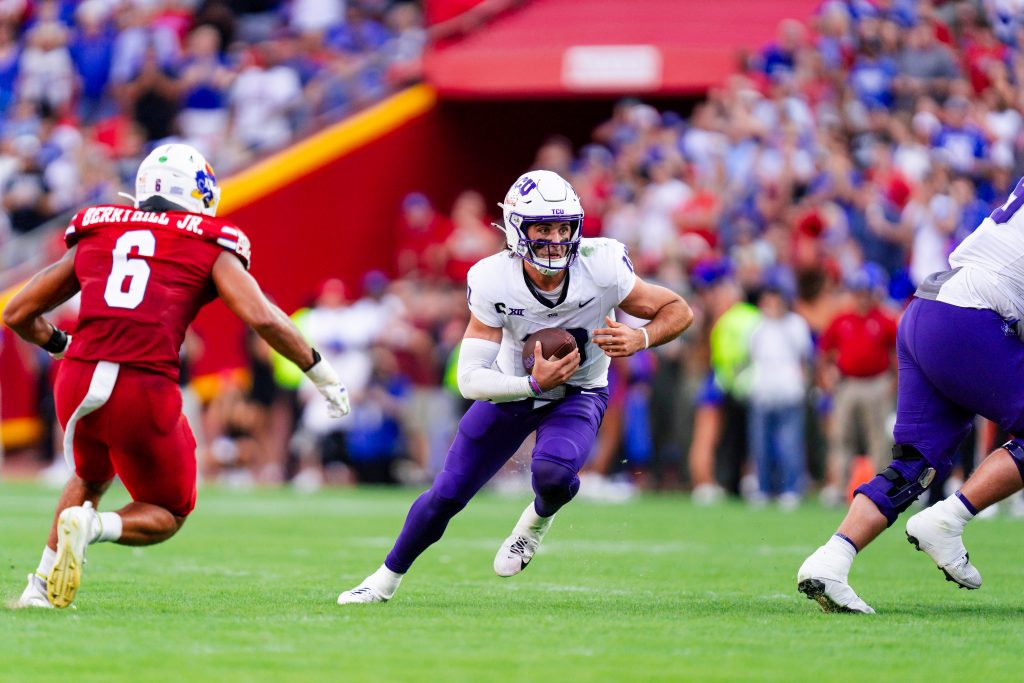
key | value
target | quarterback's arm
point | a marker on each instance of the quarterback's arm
(242, 294)
(668, 312)
(49, 288)
(479, 382)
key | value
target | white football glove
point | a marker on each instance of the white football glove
(331, 388)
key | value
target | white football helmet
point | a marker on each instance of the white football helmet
(179, 174)
(542, 197)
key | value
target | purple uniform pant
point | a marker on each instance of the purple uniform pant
(489, 434)
(954, 363)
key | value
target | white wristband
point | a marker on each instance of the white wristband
(647, 339)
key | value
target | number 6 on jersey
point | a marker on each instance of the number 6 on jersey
(126, 286)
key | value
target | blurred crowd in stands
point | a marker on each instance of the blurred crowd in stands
(796, 208)
(88, 87)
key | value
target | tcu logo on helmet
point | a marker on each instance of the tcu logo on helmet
(526, 185)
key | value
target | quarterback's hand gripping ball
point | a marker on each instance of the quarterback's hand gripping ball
(330, 387)
(554, 343)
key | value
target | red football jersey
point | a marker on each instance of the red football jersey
(144, 276)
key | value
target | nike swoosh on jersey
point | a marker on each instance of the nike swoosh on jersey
(587, 301)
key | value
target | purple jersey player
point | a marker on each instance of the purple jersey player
(960, 354)
(548, 277)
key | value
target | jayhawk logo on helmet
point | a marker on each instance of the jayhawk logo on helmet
(206, 181)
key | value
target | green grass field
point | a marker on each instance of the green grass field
(654, 590)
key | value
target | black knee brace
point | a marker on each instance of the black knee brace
(901, 483)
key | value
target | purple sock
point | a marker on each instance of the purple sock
(967, 504)
(847, 539)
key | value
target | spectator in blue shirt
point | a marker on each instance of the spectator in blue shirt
(871, 79)
(92, 51)
(959, 140)
(10, 55)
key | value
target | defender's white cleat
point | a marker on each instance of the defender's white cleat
(828, 586)
(360, 594)
(931, 532)
(514, 554)
(34, 594)
(75, 529)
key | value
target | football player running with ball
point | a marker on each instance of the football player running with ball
(144, 273)
(548, 277)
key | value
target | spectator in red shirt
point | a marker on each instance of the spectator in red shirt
(857, 349)
(472, 237)
(421, 236)
(982, 50)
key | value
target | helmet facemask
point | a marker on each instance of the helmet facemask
(542, 197)
(549, 257)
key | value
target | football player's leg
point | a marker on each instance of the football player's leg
(75, 521)
(565, 438)
(160, 474)
(487, 437)
(928, 429)
(153, 451)
(73, 525)
(986, 372)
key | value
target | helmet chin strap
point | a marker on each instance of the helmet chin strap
(545, 270)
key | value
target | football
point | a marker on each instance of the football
(554, 343)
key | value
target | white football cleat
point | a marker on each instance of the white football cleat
(361, 594)
(75, 529)
(379, 586)
(514, 554)
(519, 548)
(828, 587)
(34, 594)
(931, 532)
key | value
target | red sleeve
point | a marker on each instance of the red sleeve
(827, 342)
(73, 230)
(230, 237)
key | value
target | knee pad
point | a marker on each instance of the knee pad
(902, 482)
(1015, 447)
(554, 483)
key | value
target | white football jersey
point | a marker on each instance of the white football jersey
(989, 266)
(499, 296)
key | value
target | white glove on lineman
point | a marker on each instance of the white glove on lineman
(330, 387)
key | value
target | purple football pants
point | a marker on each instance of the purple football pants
(954, 363)
(489, 434)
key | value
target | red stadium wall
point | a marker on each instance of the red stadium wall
(441, 10)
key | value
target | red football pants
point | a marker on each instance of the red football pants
(139, 434)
